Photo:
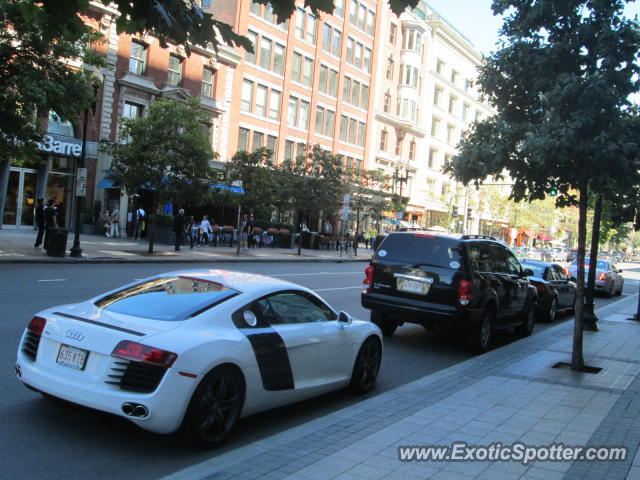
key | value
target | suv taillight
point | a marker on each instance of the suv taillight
(368, 276)
(464, 292)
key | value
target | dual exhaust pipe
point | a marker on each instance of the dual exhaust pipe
(135, 410)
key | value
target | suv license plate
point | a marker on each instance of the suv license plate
(413, 286)
(72, 357)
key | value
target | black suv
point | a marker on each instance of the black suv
(436, 280)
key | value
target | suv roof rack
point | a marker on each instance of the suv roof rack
(467, 237)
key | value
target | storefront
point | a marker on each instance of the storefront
(50, 175)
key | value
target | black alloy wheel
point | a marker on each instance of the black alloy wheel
(610, 291)
(367, 366)
(528, 321)
(553, 310)
(479, 337)
(215, 407)
(384, 323)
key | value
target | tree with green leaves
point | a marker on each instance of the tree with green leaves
(560, 84)
(256, 170)
(35, 76)
(167, 153)
(314, 183)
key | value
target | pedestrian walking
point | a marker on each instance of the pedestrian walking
(105, 222)
(178, 228)
(206, 230)
(114, 227)
(139, 221)
(50, 221)
(193, 231)
(39, 214)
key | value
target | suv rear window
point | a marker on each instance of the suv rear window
(420, 249)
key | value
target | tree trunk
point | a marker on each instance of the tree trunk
(577, 359)
(589, 317)
(151, 223)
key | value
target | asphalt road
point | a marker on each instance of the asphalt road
(43, 439)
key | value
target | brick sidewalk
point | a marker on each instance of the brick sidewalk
(509, 394)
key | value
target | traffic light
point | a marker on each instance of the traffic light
(469, 212)
(454, 210)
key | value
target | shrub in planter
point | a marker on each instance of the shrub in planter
(283, 238)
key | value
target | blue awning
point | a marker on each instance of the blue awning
(227, 187)
(106, 182)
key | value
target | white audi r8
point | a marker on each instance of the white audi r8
(196, 350)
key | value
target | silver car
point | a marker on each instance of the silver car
(609, 279)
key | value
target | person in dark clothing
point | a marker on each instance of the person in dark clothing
(178, 228)
(39, 221)
(50, 220)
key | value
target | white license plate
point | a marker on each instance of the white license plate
(413, 286)
(72, 357)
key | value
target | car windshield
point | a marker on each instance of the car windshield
(537, 270)
(420, 249)
(167, 298)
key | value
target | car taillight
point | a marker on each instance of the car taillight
(144, 353)
(464, 292)
(36, 325)
(368, 278)
(566, 271)
(602, 276)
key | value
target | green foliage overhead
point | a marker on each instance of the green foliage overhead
(560, 85)
(168, 152)
(35, 78)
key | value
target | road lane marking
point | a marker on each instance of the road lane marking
(54, 280)
(338, 288)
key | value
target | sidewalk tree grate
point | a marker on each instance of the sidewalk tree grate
(584, 369)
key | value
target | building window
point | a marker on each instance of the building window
(364, 96)
(390, 66)
(258, 140)
(357, 57)
(450, 132)
(362, 16)
(278, 59)
(274, 105)
(344, 125)
(346, 89)
(437, 95)
(350, 44)
(355, 93)
(398, 146)
(174, 75)
(272, 144)
(326, 38)
(319, 120)
(384, 136)
(440, 66)
(353, 12)
(207, 82)
(465, 111)
(371, 22)
(265, 53)
(468, 85)
(393, 31)
(454, 76)
(261, 100)
(243, 139)
(246, 99)
(307, 71)
(367, 59)
(412, 150)
(387, 102)
(253, 38)
(132, 110)
(333, 83)
(288, 149)
(300, 19)
(435, 126)
(138, 58)
(339, 10)
(453, 101)
(432, 157)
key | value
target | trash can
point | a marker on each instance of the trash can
(57, 242)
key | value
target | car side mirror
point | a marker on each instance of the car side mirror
(344, 319)
(527, 272)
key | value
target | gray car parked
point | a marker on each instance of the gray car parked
(609, 279)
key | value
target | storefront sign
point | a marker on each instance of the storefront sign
(61, 145)
(81, 182)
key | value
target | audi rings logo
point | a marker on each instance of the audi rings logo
(74, 334)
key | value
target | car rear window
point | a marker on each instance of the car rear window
(167, 298)
(420, 249)
(537, 270)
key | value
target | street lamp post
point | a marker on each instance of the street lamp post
(76, 251)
